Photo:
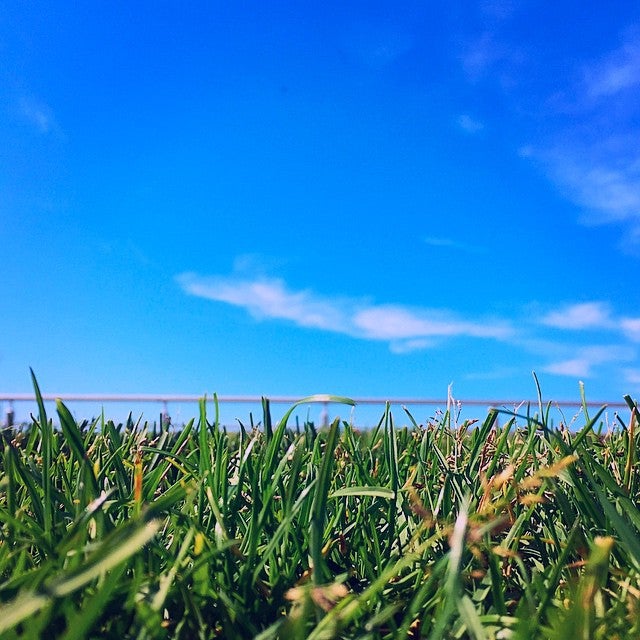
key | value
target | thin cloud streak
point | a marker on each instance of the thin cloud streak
(617, 72)
(389, 322)
(404, 328)
(631, 328)
(596, 171)
(37, 114)
(469, 124)
(408, 329)
(587, 315)
(590, 316)
(574, 368)
(589, 150)
(587, 358)
(632, 376)
(604, 185)
(269, 298)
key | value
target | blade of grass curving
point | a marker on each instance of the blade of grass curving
(205, 459)
(74, 439)
(282, 530)
(115, 549)
(480, 438)
(350, 607)
(80, 624)
(167, 579)
(497, 585)
(29, 482)
(117, 448)
(628, 537)
(587, 429)
(391, 450)
(375, 492)
(21, 608)
(46, 431)
(320, 571)
(554, 578)
(426, 591)
(9, 467)
(631, 447)
(583, 399)
(453, 584)
(273, 445)
(471, 619)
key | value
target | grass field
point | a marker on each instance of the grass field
(509, 527)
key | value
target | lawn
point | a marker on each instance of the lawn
(505, 527)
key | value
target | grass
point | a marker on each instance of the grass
(507, 528)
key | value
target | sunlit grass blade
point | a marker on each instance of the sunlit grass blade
(318, 509)
(114, 550)
(46, 431)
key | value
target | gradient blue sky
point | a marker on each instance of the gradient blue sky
(363, 198)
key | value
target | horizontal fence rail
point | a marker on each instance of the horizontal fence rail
(166, 399)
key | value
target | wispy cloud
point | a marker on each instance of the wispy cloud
(586, 315)
(37, 114)
(574, 367)
(555, 338)
(632, 376)
(593, 155)
(592, 316)
(469, 124)
(631, 328)
(601, 182)
(270, 298)
(587, 358)
(480, 55)
(617, 71)
(583, 120)
(404, 328)
(392, 322)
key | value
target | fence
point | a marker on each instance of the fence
(164, 401)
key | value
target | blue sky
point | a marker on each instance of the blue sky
(287, 198)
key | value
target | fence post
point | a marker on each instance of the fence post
(10, 415)
(165, 417)
(324, 416)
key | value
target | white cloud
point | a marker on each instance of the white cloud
(404, 328)
(389, 322)
(631, 328)
(591, 316)
(587, 315)
(408, 329)
(604, 185)
(574, 367)
(589, 357)
(269, 298)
